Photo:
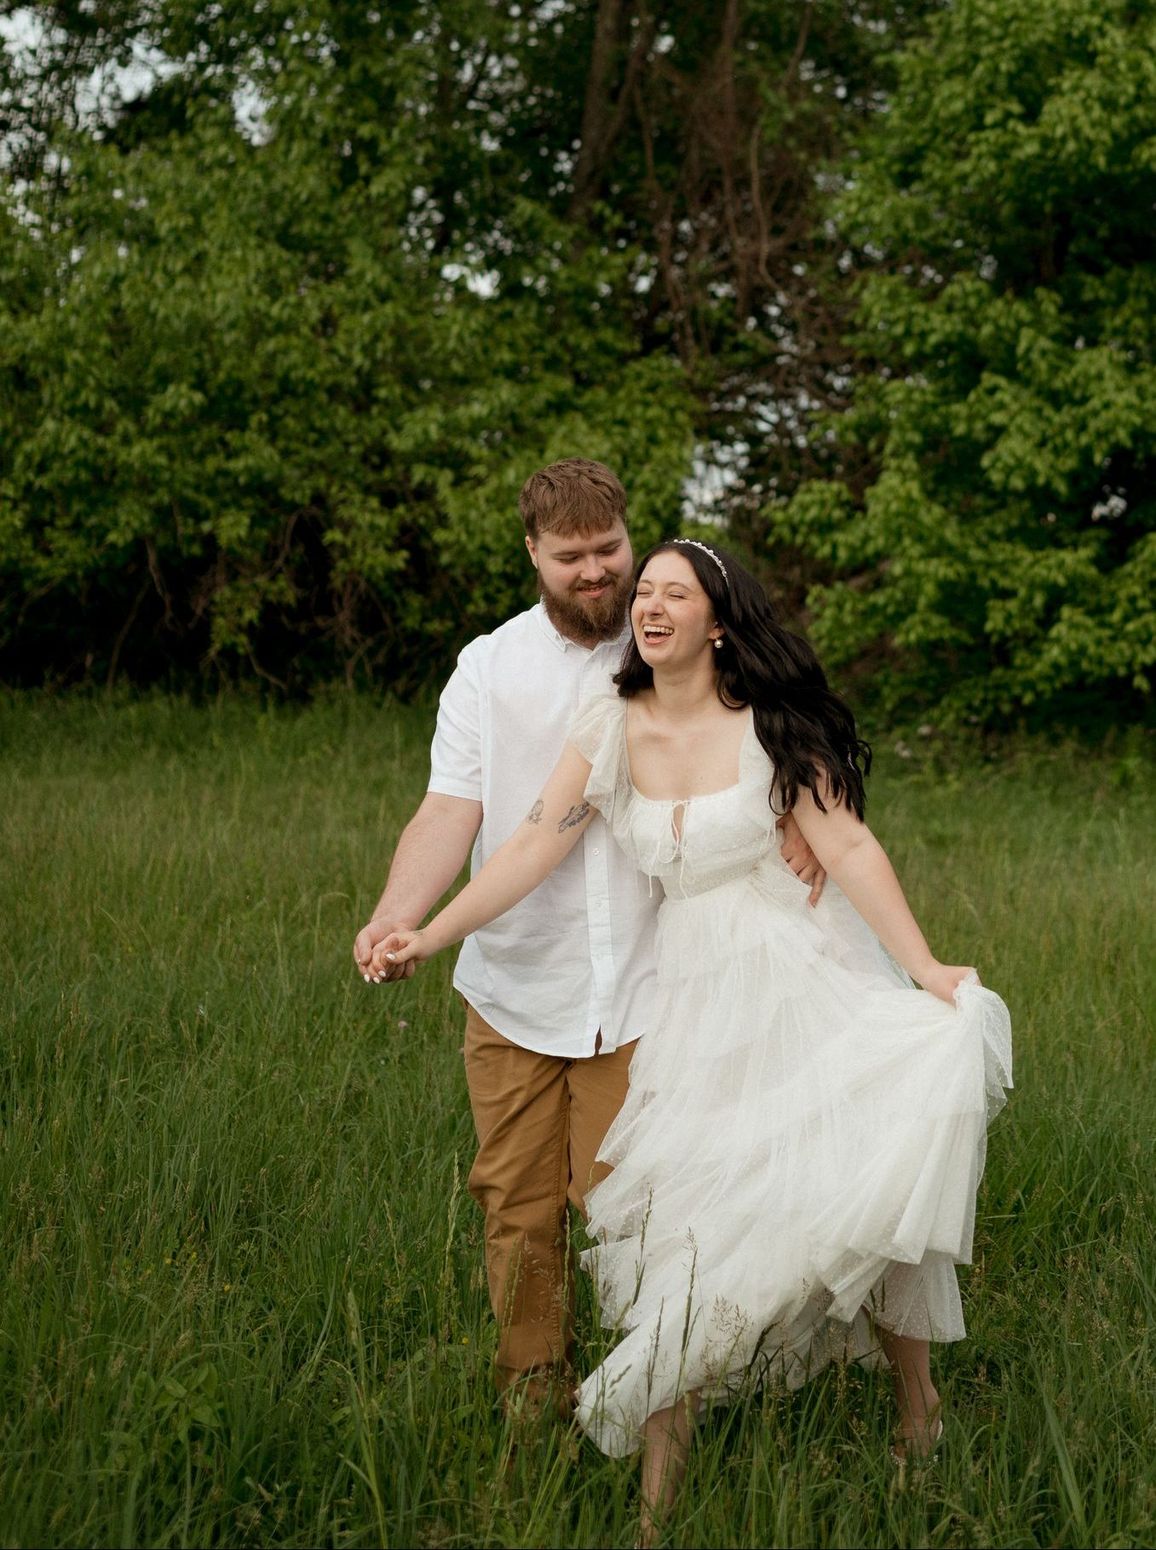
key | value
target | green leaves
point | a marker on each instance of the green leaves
(259, 408)
(281, 337)
(996, 546)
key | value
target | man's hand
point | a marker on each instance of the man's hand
(801, 859)
(369, 938)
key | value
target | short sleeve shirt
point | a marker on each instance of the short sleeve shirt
(575, 958)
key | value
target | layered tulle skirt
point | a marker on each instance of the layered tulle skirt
(797, 1158)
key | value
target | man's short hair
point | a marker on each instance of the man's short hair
(576, 495)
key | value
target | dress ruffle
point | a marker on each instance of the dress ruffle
(799, 1151)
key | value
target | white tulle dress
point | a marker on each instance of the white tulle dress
(800, 1147)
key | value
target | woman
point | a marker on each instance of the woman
(796, 1162)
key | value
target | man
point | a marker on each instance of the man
(559, 988)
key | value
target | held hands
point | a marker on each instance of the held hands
(372, 964)
(401, 952)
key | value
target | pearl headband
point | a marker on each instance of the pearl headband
(705, 550)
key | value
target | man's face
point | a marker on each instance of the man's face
(585, 581)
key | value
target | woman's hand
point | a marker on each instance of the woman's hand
(398, 949)
(943, 979)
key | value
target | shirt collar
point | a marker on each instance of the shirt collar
(564, 643)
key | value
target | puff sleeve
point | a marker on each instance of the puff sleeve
(598, 732)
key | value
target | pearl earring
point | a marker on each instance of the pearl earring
(718, 640)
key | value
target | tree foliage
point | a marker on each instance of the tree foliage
(259, 407)
(268, 396)
(990, 520)
(294, 296)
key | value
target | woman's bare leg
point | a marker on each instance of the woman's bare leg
(915, 1394)
(665, 1449)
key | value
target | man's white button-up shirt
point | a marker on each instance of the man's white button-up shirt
(576, 957)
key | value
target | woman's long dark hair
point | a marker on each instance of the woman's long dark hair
(807, 730)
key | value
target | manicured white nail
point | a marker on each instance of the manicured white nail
(392, 957)
(365, 977)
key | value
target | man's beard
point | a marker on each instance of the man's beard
(587, 619)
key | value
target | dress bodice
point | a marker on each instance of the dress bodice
(690, 845)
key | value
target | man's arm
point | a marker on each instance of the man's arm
(437, 840)
(544, 838)
(432, 850)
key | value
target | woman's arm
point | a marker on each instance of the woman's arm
(546, 836)
(852, 855)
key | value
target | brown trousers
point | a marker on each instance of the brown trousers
(540, 1121)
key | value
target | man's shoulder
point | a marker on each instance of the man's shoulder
(519, 634)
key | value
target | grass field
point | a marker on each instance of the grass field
(244, 1300)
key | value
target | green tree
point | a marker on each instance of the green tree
(262, 403)
(269, 395)
(988, 523)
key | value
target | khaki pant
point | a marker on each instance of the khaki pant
(540, 1120)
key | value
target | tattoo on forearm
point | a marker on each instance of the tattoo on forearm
(535, 813)
(574, 817)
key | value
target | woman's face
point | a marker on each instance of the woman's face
(672, 617)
